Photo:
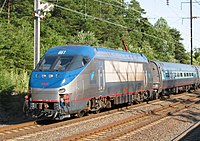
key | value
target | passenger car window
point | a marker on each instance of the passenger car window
(174, 74)
(167, 73)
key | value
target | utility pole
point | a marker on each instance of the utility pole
(191, 38)
(36, 32)
(167, 2)
(40, 11)
(191, 32)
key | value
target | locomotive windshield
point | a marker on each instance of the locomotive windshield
(62, 63)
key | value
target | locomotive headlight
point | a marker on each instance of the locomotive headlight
(50, 75)
(44, 75)
(37, 76)
(62, 90)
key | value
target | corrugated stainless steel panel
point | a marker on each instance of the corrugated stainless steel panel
(117, 71)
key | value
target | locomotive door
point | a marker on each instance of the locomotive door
(156, 74)
(101, 75)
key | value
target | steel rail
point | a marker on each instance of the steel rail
(178, 107)
(17, 126)
(186, 132)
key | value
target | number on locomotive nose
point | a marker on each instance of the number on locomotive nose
(62, 52)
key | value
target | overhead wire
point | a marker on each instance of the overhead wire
(172, 9)
(93, 17)
(197, 2)
(106, 21)
(147, 23)
(107, 3)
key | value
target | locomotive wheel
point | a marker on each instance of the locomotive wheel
(81, 114)
(157, 96)
(97, 111)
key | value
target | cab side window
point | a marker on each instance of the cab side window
(79, 61)
(85, 60)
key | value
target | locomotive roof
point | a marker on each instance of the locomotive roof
(110, 54)
(71, 50)
(97, 52)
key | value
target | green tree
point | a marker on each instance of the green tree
(196, 56)
(163, 43)
(87, 38)
(180, 52)
(17, 45)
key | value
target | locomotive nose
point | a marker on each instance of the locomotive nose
(45, 86)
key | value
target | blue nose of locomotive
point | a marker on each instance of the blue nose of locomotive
(51, 79)
(45, 86)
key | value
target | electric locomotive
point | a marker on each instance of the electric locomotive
(77, 79)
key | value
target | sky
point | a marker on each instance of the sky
(177, 15)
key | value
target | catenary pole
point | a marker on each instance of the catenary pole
(191, 32)
(36, 32)
(191, 19)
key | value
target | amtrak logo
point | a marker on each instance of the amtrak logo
(92, 75)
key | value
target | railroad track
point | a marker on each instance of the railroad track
(121, 128)
(11, 132)
(4, 131)
(192, 133)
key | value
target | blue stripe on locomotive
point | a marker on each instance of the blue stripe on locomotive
(60, 79)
